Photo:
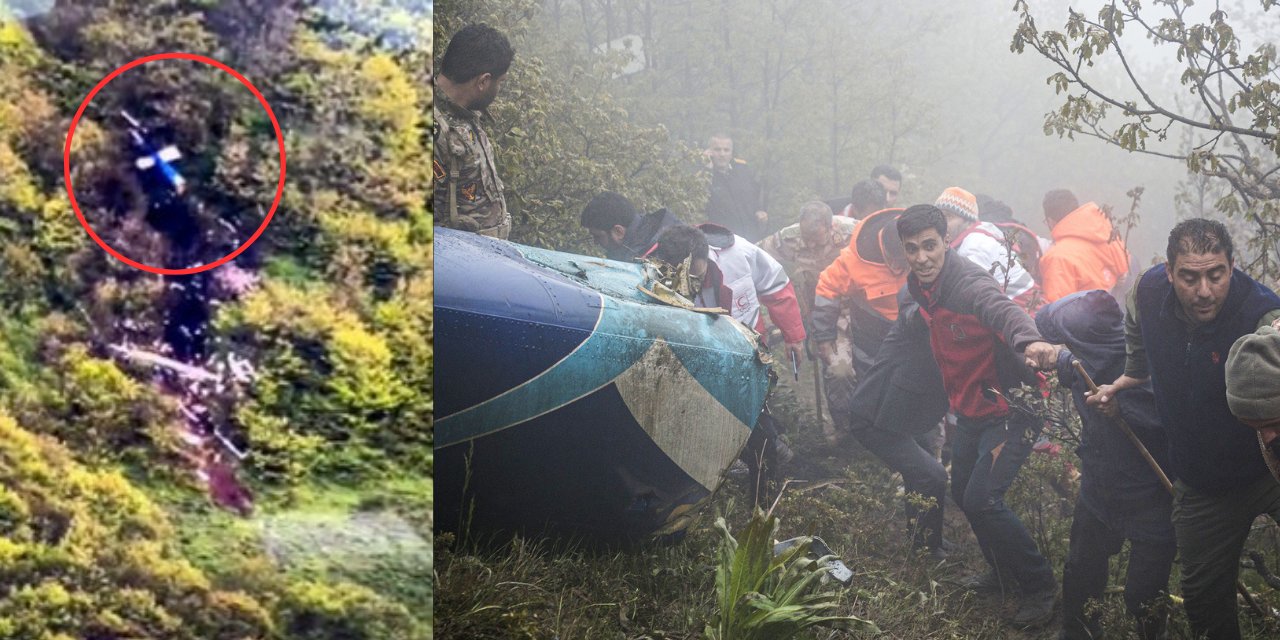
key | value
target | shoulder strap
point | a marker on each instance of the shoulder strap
(453, 192)
(955, 243)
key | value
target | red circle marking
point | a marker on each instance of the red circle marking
(66, 164)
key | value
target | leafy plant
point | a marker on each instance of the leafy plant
(765, 596)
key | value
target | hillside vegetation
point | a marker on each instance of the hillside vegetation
(105, 529)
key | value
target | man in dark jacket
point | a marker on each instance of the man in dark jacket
(620, 230)
(1121, 496)
(882, 393)
(735, 200)
(981, 341)
(1182, 320)
(891, 413)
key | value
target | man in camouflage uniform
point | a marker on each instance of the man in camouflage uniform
(468, 193)
(806, 248)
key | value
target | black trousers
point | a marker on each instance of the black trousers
(921, 473)
(1152, 547)
(986, 456)
(1211, 529)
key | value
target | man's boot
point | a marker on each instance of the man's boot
(986, 582)
(937, 552)
(1036, 608)
(1087, 628)
(932, 542)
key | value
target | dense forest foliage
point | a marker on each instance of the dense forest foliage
(105, 531)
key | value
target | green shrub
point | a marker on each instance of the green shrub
(330, 377)
(318, 611)
(98, 411)
(88, 555)
(765, 596)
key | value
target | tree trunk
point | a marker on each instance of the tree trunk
(726, 12)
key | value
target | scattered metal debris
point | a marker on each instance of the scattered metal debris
(819, 550)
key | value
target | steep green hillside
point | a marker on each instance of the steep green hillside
(319, 334)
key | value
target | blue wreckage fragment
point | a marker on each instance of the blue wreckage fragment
(567, 401)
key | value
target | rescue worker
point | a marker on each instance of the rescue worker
(737, 276)
(999, 213)
(1121, 497)
(1086, 252)
(985, 244)
(735, 201)
(468, 193)
(1183, 318)
(619, 229)
(866, 198)
(862, 282)
(1028, 246)
(728, 272)
(807, 248)
(981, 341)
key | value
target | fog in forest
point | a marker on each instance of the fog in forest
(814, 94)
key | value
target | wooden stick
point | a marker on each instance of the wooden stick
(1164, 479)
(1124, 426)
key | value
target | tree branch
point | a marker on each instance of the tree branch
(1058, 57)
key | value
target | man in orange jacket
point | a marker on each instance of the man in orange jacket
(1086, 254)
(891, 396)
(866, 277)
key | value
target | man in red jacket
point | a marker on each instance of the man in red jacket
(1086, 253)
(982, 341)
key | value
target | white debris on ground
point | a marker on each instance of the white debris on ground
(199, 388)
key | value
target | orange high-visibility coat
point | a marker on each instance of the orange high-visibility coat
(851, 275)
(1083, 256)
